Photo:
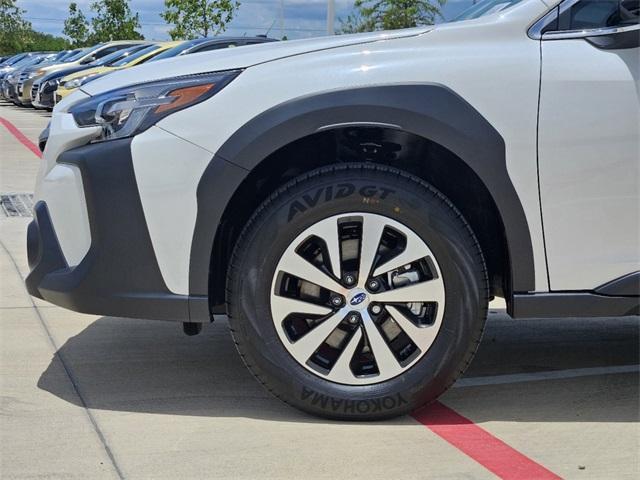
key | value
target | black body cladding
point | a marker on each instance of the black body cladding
(431, 111)
(119, 276)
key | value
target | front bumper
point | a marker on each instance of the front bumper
(11, 92)
(24, 91)
(119, 274)
(44, 98)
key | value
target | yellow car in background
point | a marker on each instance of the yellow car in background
(69, 83)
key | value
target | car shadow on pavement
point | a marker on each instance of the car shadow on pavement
(30, 110)
(151, 367)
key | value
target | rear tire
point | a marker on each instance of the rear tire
(376, 351)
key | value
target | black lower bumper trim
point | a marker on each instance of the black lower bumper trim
(119, 275)
(573, 304)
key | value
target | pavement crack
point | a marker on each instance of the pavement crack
(69, 372)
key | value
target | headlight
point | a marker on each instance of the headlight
(76, 82)
(127, 111)
(91, 78)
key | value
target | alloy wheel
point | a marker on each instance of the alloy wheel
(357, 298)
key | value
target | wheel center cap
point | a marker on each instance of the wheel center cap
(358, 299)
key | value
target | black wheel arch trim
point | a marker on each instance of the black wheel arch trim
(431, 111)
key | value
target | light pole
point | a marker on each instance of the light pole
(331, 14)
(281, 19)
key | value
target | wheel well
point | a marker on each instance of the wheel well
(411, 153)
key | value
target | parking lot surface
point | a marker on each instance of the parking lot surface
(96, 397)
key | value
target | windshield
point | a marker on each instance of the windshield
(112, 58)
(70, 54)
(175, 51)
(13, 60)
(485, 7)
(136, 56)
(28, 61)
(58, 56)
(79, 55)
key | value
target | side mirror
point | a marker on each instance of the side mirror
(616, 39)
(561, 23)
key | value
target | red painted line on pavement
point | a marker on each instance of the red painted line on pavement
(21, 137)
(475, 442)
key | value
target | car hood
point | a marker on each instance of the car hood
(237, 58)
(41, 65)
(87, 71)
(63, 72)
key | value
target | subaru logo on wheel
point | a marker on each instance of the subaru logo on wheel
(358, 299)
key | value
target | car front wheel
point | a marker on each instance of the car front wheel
(357, 292)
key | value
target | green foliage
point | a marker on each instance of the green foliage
(373, 15)
(198, 18)
(14, 30)
(16, 34)
(38, 41)
(113, 20)
(76, 26)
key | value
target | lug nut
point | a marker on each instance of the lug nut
(376, 309)
(373, 285)
(336, 301)
(349, 279)
(353, 318)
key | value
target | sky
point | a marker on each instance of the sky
(302, 18)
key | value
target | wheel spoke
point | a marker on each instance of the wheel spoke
(283, 306)
(304, 348)
(415, 250)
(423, 337)
(294, 264)
(372, 228)
(385, 359)
(341, 371)
(428, 291)
(327, 230)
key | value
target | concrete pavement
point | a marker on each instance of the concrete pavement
(96, 397)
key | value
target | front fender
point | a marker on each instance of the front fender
(431, 111)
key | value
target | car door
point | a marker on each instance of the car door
(589, 142)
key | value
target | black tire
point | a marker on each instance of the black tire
(404, 198)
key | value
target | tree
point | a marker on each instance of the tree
(198, 18)
(76, 26)
(14, 30)
(113, 20)
(372, 15)
(38, 41)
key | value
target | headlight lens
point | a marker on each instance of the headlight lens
(127, 111)
(77, 82)
(91, 78)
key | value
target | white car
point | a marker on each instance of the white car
(353, 203)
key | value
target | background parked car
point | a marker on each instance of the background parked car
(11, 79)
(33, 70)
(208, 44)
(71, 82)
(83, 57)
(10, 63)
(43, 88)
